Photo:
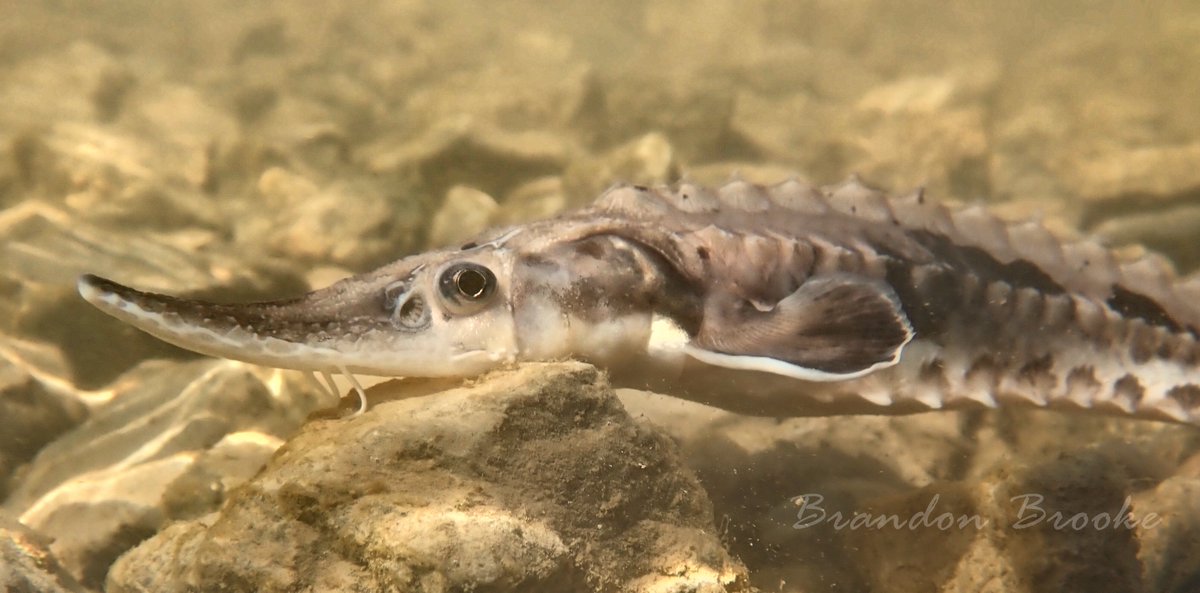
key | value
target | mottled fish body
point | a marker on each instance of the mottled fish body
(789, 300)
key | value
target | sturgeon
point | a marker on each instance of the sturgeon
(788, 300)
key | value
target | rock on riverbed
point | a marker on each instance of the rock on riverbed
(173, 441)
(26, 564)
(534, 479)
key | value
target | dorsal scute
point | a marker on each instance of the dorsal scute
(855, 198)
(986, 229)
(694, 198)
(1033, 242)
(915, 211)
(744, 196)
(634, 202)
(1150, 274)
(1094, 268)
(1153, 276)
(798, 196)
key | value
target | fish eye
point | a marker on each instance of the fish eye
(467, 286)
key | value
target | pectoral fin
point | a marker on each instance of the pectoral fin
(832, 328)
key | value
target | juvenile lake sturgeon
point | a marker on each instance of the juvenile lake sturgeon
(789, 300)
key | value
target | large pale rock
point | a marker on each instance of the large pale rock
(173, 440)
(533, 479)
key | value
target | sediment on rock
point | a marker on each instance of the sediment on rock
(532, 479)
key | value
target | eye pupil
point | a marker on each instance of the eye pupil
(466, 288)
(471, 283)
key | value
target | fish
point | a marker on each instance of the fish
(784, 300)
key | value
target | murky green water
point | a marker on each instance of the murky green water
(244, 151)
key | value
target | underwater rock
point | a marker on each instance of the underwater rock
(646, 160)
(1078, 118)
(542, 92)
(27, 565)
(57, 85)
(692, 113)
(44, 248)
(466, 212)
(180, 124)
(965, 465)
(1061, 555)
(754, 468)
(32, 416)
(1146, 171)
(46, 244)
(1000, 533)
(537, 199)
(339, 222)
(171, 442)
(463, 151)
(1171, 230)
(1169, 552)
(86, 126)
(791, 129)
(530, 479)
(931, 556)
(926, 131)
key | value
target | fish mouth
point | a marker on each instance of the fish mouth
(289, 334)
